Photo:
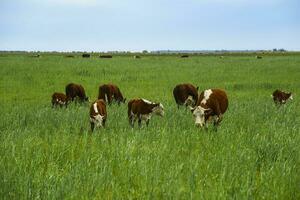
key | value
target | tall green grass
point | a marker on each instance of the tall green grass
(50, 154)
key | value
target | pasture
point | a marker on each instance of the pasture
(50, 154)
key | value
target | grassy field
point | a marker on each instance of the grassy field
(50, 154)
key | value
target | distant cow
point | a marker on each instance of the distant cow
(141, 109)
(86, 55)
(281, 97)
(59, 99)
(185, 94)
(76, 91)
(136, 57)
(105, 56)
(98, 114)
(110, 92)
(36, 56)
(212, 104)
(258, 57)
(184, 56)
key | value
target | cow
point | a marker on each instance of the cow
(184, 56)
(258, 57)
(110, 92)
(59, 99)
(86, 55)
(212, 104)
(105, 56)
(185, 94)
(98, 114)
(76, 91)
(142, 109)
(281, 97)
(136, 57)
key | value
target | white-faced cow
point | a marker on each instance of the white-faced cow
(142, 109)
(185, 94)
(110, 92)
(98, 114)
(281, 97)
(76, 91)
(59, 99)
(211, 105)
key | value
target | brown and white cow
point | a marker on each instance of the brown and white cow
(98, 114)
(212, 104)
(281, 97)
(142, 109)
(110, 92)
(76, 91)
(59, 99)
(185, 94)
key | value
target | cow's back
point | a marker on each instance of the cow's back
(182, 91)
(218, 98)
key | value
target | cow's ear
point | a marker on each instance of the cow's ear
(197, 88)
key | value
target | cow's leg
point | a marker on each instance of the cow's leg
(103, 123)
(131, 120)
(140, 120)
(92, 126)
(147, 122)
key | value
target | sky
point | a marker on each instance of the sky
(136, 25)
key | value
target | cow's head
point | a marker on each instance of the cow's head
(158, 109)
(98, 120)
(189, 101)
(200, 115)
(290, 96)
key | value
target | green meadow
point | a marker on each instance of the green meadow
(48, 153)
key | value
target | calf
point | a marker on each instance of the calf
(212, 104)
(76, 91)
(59, 99)
(110, 92)
(98, 114)
(281, 97)
(185, 94)
(143, 109)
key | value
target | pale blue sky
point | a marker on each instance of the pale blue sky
(134, 25)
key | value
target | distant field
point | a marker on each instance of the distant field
(49, 153)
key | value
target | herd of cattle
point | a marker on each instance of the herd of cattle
(209, 105)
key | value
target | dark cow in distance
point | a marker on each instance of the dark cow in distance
(281, 97)
(258, 57)
(136, 57)
(86, 55)
(185, 94)
(98, 114)
(212, 104)
(76, 91)
(184, 56)
(105, 56)
(59, 99)
(142, 109)
(110, 92)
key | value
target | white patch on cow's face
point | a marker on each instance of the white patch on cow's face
(199, 116)
(95, 108)
(159, 110)
(98, 120)
(291, 97)
(147, 101)
(207, 94)
(189, 101)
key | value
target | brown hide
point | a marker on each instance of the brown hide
(217, 103)
(75, 91)
(101, 106)
(112, 92)
(280, 97)
(59, 99)
(182, 91)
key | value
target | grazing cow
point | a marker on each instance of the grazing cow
(212, 104)
(221, 57)
(281, 97)
(136, 57)
(105, 56)
(110, 92)
(86, 55)
(184, 56)
(98, 114)
(36, 56)
(258, 57)
(185, 94)
(76, 91)
(59, 99)
(142, 109)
